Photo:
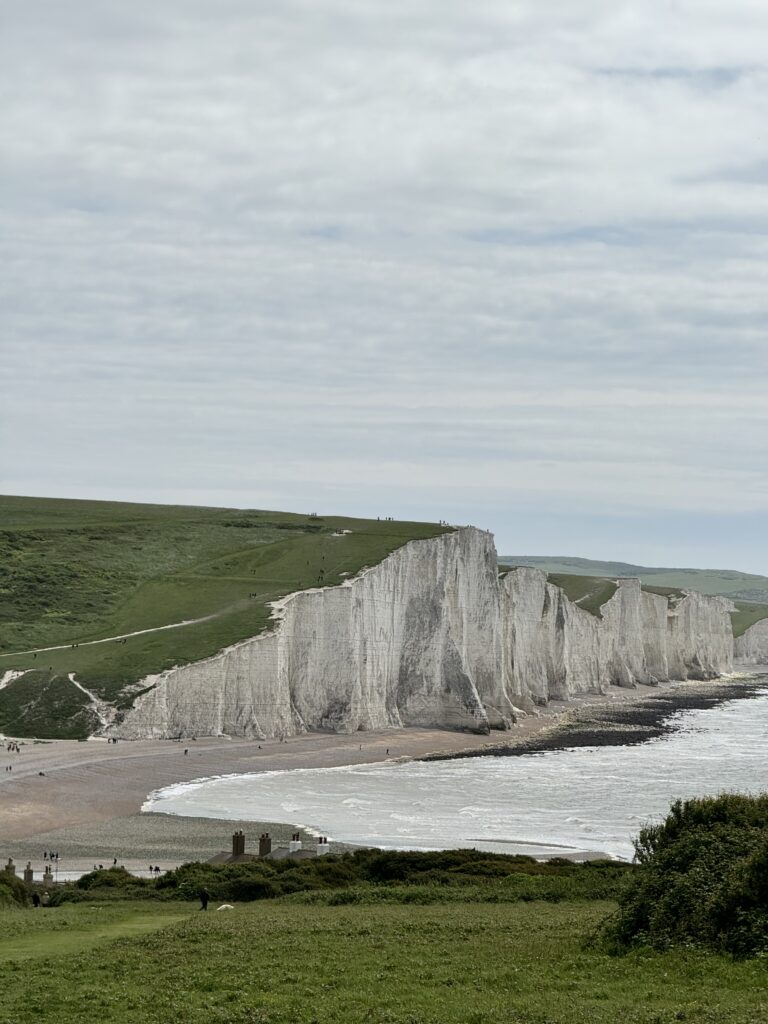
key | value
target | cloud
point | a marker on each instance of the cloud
(429, 255)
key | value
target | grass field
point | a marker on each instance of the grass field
(63, 931)
(78, 571)
(280, 963)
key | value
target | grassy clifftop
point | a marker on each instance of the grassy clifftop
(74, 572)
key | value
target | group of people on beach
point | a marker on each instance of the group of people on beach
(12, 747)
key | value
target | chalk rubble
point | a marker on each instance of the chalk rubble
(432, 637)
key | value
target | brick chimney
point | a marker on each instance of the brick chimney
(238, 843)
(265, 844)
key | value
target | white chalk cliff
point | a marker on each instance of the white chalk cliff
(751, 648)
(431, 636)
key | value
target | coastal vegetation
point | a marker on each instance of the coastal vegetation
(702, 879)
(368, 876)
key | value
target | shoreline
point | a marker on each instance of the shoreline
(84, 798)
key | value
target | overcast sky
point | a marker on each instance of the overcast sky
(496, 262)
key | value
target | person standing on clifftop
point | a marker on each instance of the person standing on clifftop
(204, 897)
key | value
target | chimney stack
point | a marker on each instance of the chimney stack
(322, 846)
(295, 844)
(265, 844)
(238, 843)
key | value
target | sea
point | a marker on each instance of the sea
(577, 802)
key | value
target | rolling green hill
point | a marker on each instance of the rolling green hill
(75, 572)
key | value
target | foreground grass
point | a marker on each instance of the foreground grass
(76, 571)
(276, 962)
(62, 931)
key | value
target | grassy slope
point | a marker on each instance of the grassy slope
(74, 571)
(274, 963)
(588, 592)
(747, 615)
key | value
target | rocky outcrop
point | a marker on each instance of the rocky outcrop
(751, 648)
(554, 649)
(700, 633)
(432, 637)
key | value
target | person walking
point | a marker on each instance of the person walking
(204, 897)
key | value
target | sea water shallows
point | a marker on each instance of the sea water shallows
(587, 799)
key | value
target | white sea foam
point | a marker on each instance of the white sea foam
(585, 799)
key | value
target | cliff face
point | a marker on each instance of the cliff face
(432, 637)
(751, 648)
(700, 636)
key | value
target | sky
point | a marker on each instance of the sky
(500, 263)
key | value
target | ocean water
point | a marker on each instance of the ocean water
(589, 799)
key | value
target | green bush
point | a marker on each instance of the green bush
(702, 879)
(439, 876)
(13, 892)
(112, 878)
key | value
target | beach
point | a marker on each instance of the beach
(84, 799)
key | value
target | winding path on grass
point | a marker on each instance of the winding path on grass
(121, 636)
(266, 598)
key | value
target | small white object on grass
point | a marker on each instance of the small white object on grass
(226, 906)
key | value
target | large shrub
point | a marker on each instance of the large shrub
(12, 890)
(702, 879)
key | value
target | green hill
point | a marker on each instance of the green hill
(76, 572)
